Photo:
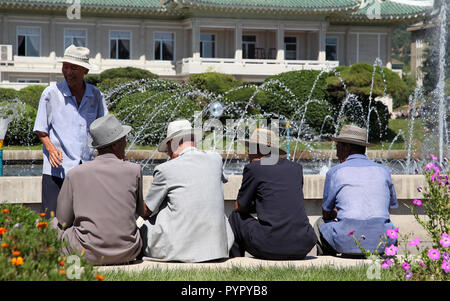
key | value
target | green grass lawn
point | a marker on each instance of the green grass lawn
(247, 274)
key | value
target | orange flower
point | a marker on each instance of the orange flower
(16, 253)
(42, 224)
(17, 261)
(61, 263)
(100, 277)
(2, 230)
(5, 245)
(6, 210)
(41, 214)
(61, 271)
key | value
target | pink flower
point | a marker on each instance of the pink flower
(351, 232)
(417, 202)
(446, 267)
(386, 264)
(433, 157)
(422, 264)
(392, 233)
(408, 275)
(406, 266)
(391, 250)
(445, 240)
(446, 256)
(414, 242)
(429, 166)
(434, 254)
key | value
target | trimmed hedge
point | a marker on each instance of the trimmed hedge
(20, 129)
(111, 78)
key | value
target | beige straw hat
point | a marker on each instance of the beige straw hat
(265, 138)
(352, 134)
(178, 128)
(76, 55)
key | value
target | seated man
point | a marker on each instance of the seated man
(185, 203)
(359, 193)
(99, 199)
(273, 187)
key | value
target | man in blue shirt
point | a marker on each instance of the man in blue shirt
(357, 196)
(65, 112)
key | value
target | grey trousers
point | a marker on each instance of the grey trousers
(323, 247)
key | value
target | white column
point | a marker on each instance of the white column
(98, 44)
(347, 47)
(322, 41)
(195, 40)
(389, 49)
(142, 42)
(238, 42)
(52, 39)
(280, 42)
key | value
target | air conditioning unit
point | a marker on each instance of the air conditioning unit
(6, 53)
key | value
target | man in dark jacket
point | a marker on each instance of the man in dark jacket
(272, 187)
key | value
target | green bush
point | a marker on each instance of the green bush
(8, 94)
(214, 82)
(20, 129)
(149, 112)
(29, 249)
(31, 95)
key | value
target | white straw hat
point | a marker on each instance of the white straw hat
(352, 134)
(76, 55)
(266, 138)
(179, 128)
(106, 130)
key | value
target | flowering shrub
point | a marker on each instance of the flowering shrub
(29, 249)
(430, 263)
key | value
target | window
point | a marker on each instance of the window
(164, 46)
(207, 45)
(75, 37)
(119, 45)
(290, 48)
(248, 47)
(331, 49)
(26, 80)
(28, 41)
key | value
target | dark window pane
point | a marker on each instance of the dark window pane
(331, 54)
(167, 51)
(157, 50)
(290, 40)
(112, 53)
(124, 49)
(249, 38)
(21, 45)
(251, 51)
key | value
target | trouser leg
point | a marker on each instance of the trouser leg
(323, 247)
(50, 189)
(241, 224)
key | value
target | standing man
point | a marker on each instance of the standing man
(357, 196)
(66, 110)
(272, 187)
(185, 203)
(99, 200)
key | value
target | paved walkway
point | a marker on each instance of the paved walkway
(246, 262)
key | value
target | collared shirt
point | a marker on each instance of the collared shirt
(362, 191)
(67, 124)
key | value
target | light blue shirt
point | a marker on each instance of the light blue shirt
(362, 191)
(68, 125)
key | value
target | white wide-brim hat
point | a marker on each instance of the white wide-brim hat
(352, 134)
(179, 128)
(266, 138)
(76, 55)
(106, 130)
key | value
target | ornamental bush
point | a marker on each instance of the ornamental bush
(29, 249)
(31, 95)
(20, 129)
(431, 263)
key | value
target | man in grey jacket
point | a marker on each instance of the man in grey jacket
(99, 199)
(185, 203)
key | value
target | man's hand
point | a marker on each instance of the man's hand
(55, 156)
(329, 215)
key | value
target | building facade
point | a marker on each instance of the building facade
(250, 39)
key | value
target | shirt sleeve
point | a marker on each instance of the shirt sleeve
(157, 193)
(43, 116)
(329, 194)
(393, 202)
(247, 192)
(140, 209)
(64, 209)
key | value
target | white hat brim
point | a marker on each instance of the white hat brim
(75, 62)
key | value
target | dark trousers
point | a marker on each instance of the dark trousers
(242, 224)
(50, 189)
